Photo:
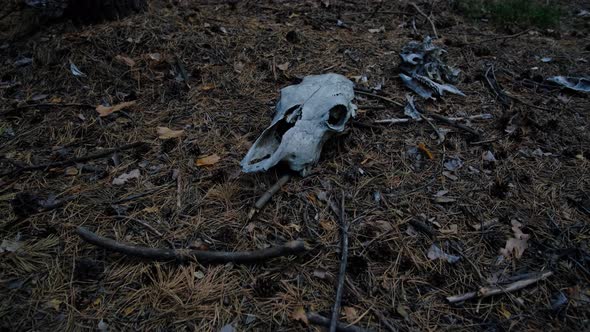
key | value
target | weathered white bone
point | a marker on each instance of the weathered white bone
(306, 116)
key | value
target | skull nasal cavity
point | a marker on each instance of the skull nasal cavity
(337, 116)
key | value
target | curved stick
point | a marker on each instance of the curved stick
(180, 255)
(342, 269)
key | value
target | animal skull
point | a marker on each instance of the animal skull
(307, 115)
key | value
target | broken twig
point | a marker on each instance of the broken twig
(389, 100)
(392, 121)
(76, 160)
(427, 18)
(489, 291)
(265, 198)
(181, 256)
(317, 319)
(455, 124)
(342, 271)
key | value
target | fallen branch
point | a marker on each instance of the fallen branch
(489, 291)
(358, 293)
(426, 17)
(497, 38)
(455, 124)
(392, 121)
(181, 256)
(317, 319)
(76, 160)
(389, 100)
(342, 270)
(265, 198)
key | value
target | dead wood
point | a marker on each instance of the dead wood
(318, 319)
(181, 256)
(489, 291)
(342, 270)
(72, 161)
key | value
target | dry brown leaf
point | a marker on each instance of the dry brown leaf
(283, 66)
(300, 315)
(167, 133)
(123, 178)
(350, 313)
(71, 171)
(516, 246)
(451, 230)
(206, 87)
(208, 160)
(422, 147)
(107, 110)
(125, 60)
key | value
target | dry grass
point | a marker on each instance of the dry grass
(55, 281)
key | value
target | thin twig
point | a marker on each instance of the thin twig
(317, 319)
(392, 121)
(352, 287)
(148, 226)
(360, 92)
(182, 71)
(455, 124)
(342, 270)
(72, 161)
(489, 291)
(439, 134)
(26, 106)
(265, 198)
(427, 17)
(496, 38)
(181, 256)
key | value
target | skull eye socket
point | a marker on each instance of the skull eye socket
(337, 116)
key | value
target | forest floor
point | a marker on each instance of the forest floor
(527, 176)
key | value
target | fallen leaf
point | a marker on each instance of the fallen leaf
(350, 314)
(206, 87)
(125, 60)
(123, 178)
(54, 304)
(10, 245)
(152, 209)
(327, 225)
(453, 164)
(283, 66)
(488, 156)
(380, 29)
(75, 70)
(451, 230)
(199, 275)
(401, 310)
(107, 110)
(450, 176)
(425, 150)
(102, 326)
(127, 311)
(321, 274)
(154, 56)
(228, 328)
(208, 160)
(505, 312)
(71, 171)
(238, 67)
(167, 133)
(300, 315)
(436, 253)
(516, 245)
(444, 200)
